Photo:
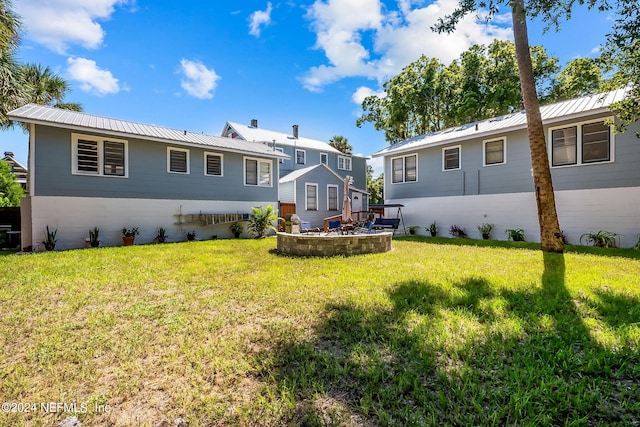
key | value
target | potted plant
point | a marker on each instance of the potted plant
(433, 229)
(50, 240)
(161, 236)
(601, 238)
(191, 235)
(515, 234)
(412, 229)
(485, 230)
(129, 235)
(94, 237)
(236, 228)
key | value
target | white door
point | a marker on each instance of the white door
(356, 201)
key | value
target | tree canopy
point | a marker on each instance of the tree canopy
(484, 82)
(341, 144)
(10, 190)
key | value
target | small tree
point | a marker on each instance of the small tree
(10, 191)
(262, 220)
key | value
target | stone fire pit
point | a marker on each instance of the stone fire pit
(331, 244)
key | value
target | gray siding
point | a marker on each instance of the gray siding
(148, 176)
(322, 177)
(358, 165)
(515, 176)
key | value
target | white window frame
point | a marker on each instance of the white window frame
(304, 156)
(344, 163)
(324, 156)
(99, 140)
(188, 160)
(504, 151)
(579, 126)
(404, 168)
(211, 153)
(451, 147)
(259, 162)
(306, 196)
(329, 186)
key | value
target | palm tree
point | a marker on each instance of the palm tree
(550, 234)
(45, 88)
(10, 90)
(341, 144)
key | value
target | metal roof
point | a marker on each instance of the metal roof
(250, 133)
(566, 110)
(56, 117)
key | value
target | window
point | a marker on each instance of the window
(311, 197)
(344, 163)
(301, 157)
(332, 197)
(281, 150)
(324, 158)
(177, 160)
(257, 172)
(495, 152)
(213, 164)
(99, 156)
(565, 148)
(581, 144)
(451, 158)
(595, 143)
(404, 169)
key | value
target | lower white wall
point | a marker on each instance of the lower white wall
(73, 217)
(579, 211)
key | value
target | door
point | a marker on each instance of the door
(356, 201)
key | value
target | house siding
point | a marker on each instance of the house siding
(515, 176)
(148, 177)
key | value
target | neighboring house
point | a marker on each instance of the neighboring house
(88, 171)
(481, 173)
(18, 169)
(305, 153)
(318, 193)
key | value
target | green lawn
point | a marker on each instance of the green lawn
(231, 333)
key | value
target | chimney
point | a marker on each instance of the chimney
(254, 123)
(295, 131)
(8, 154)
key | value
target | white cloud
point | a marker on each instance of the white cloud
(362, 92)
(199, 80)
(360, 38)
(259, 19)
(57, 24)
(92, 78)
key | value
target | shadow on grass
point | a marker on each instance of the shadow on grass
(470, 354)
(578, 249)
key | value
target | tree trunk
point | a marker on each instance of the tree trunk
(550, 235)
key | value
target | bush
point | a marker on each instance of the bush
(601, 239)
(456, 231)
(261, 220)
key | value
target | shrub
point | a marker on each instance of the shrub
(601, 239)
(161, 236)
(261, 220)
(456, 231)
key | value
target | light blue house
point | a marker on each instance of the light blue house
(87, 171)
(299, 170)
(481, 173)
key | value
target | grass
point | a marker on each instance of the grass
(455, 332)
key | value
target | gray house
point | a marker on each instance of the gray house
(87, 171)
(481, 173)
(318, 193)
(304, 154)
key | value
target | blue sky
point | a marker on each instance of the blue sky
(195, 65)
